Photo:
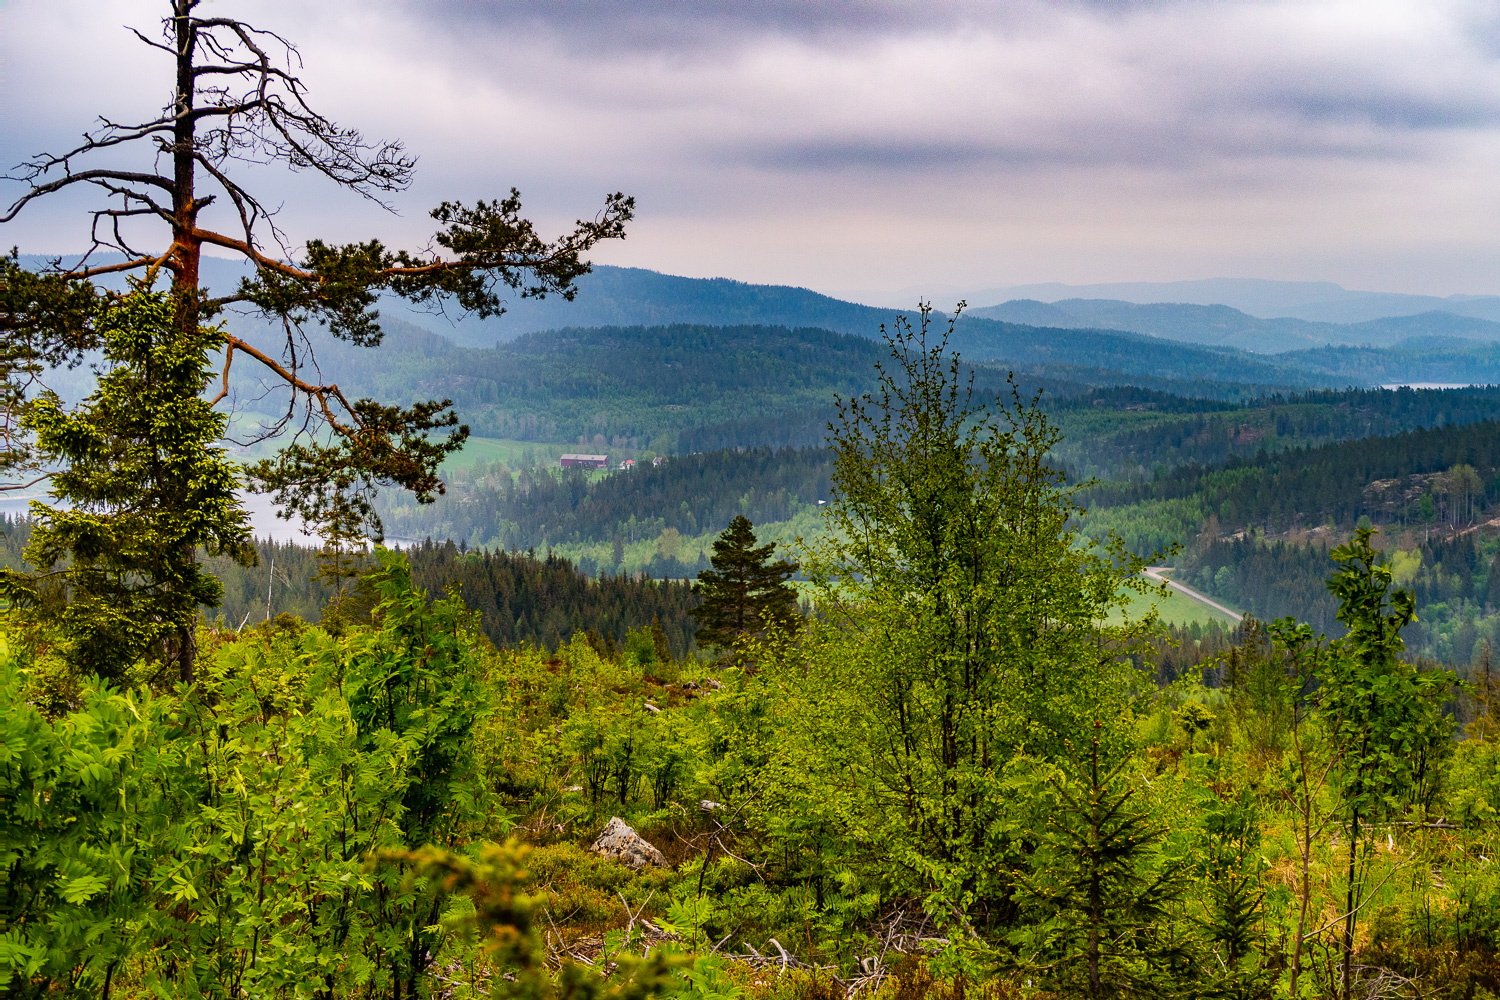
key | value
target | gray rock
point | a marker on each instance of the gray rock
(620, 842)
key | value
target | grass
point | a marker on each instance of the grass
(481, 451)
(1174, 609)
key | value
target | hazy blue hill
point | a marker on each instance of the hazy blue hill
(613, 296)
(1444, 360)
(1365, 306)
(1439, 323)
(982, 339)
(1318, 301)
(1083, 336)
(1027, 312)
(1224, 326)
(620, 296)
(1200, 324)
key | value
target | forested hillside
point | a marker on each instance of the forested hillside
(1403, 480)
(1228, 327)
(1454, 577)
(1123, 435)
(1128, 433)
(1433, 359)
(636, 388)
(856, 669)
(690, 494)
(645, 388)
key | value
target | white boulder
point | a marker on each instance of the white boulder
(620, 842)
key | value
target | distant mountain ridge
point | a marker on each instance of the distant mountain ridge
(1225, 326)
(618, 296)
(1111, 338)
(1316, 301)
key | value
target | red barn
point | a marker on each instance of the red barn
(585, 461)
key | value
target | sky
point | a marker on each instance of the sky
(868, 148)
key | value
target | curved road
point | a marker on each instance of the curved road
(1155, 573)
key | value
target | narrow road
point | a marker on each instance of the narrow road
(1155, 573)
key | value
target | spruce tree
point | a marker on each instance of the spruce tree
(1103, 890)
(142, 487)
(745, 593)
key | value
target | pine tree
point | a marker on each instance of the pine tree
(745, 593)
(237, 102)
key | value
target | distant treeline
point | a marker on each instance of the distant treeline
(691, 494)
(1456, 580)
(518, 599)
(544, 602)
(1132, 431)
(1383, 478)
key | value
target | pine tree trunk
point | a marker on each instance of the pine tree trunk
(183, 261)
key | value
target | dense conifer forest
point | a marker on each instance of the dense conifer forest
(691, 494)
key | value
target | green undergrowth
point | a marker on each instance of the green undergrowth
(215, 839)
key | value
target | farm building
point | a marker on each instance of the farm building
(585, 461)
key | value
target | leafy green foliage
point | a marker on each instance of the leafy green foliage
(218, 839)
(36, 339)
(321, 813)
(1384, 718)
(968, 615)
(504, 920)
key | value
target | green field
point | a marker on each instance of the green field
(483, 451)
(1175, 609)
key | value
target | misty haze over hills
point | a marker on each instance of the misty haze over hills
(1317, 301)
(1228, 327)
(1014, 330)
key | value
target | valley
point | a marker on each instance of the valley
(1236, 465)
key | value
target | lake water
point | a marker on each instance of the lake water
(1434, 385)
(263, 520)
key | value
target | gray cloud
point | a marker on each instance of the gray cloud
(695, 25)
(919, 88)
(787, 140)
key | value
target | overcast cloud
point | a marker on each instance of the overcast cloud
(877, 146)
